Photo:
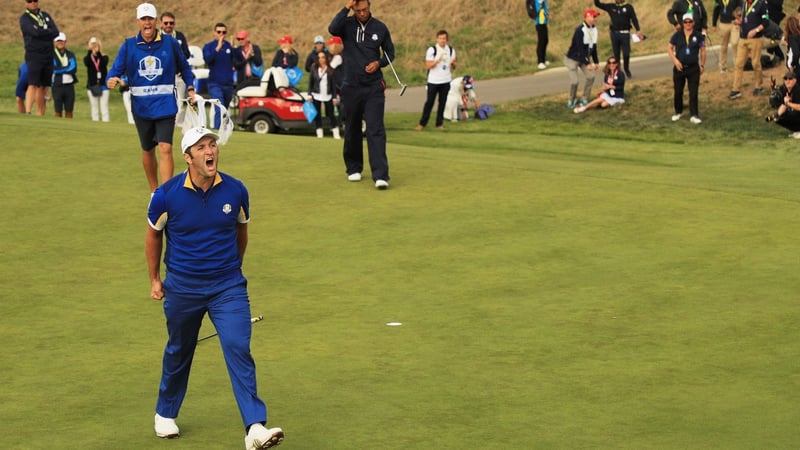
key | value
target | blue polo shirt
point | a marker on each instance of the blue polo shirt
(200, 227)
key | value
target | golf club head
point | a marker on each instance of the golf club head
(403, 89)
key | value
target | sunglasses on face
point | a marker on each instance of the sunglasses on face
(168, 23)
(612, 62)
(688, 21)
(221, 31)
(31, 1)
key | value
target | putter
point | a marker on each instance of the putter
(252, 320)
(403, 87)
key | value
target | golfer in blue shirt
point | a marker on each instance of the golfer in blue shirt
(203, 214)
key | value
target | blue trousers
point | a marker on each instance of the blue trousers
(365, 102)
(186, 302)
(223, 93)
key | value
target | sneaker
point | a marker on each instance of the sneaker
(259, 437)
(382, 184)
(419, 128)
(695, 120)
(772, 118)
(166, 428)
(676, 117)
(734, 94)
(354, 177)
(583, 102)
(757, 92)
(628, 74)
(571, 104)
(579, 109)
(796, 135)
(542, 66)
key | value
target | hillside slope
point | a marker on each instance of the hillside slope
(493, 38)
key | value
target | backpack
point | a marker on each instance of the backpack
(484, 111)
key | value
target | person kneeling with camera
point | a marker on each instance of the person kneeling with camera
(786, 98)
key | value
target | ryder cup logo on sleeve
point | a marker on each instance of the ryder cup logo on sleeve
(150, 68)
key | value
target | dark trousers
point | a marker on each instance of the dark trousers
(690, 75)
(328, 113)
(368, 103)
(541, 44)
(63, 98)
(223, 93)
(433, 91)
(622, 42)
(790, 120)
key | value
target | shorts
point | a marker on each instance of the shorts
(154, 131)
(40, 72)
(611, 100)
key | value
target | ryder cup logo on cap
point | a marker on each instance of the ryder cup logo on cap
(194, 135)
(60, 37)
(688, 16)
(146, 10)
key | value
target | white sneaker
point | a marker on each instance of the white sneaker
(260, 438)
(542, 66)
(676, 117)
(354, 177)
(381, 184)
(166, 428)
(695, 120)
(796, 135)
(579, 109)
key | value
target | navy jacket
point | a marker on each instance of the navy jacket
(362, 45)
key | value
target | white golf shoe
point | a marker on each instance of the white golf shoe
(166, 428)
(355, 176)
(259, 437)
(381, 184)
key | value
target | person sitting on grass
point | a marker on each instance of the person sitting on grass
(787, 99)
(613, 88)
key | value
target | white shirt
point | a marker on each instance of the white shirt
(440, 73)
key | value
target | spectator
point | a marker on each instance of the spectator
(751, 31)
(22, 86)
(168, 28)
(335, 46)
(218, 55)
(461, 94)
(322, 91)
(776, 15)
(792, 36)
(613, 88)
(96, 72)
(723, 16)
(286, 56)
(247, 61)
(694, 7)
(65, 75)
(440, 61)
(150, 62)
(205, 229)
(319, 46)
(687, 49)
(540, 14)
(786, 98)
(622, 17)
(38, 32)
(582, 54)
(363, 91)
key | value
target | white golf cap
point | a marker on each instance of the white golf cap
(60, 37)
(194, 135)
(146, 10)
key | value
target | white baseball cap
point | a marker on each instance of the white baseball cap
(60, 37)
(146, 10)
(194, 135)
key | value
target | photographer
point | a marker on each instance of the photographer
(786, 98)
